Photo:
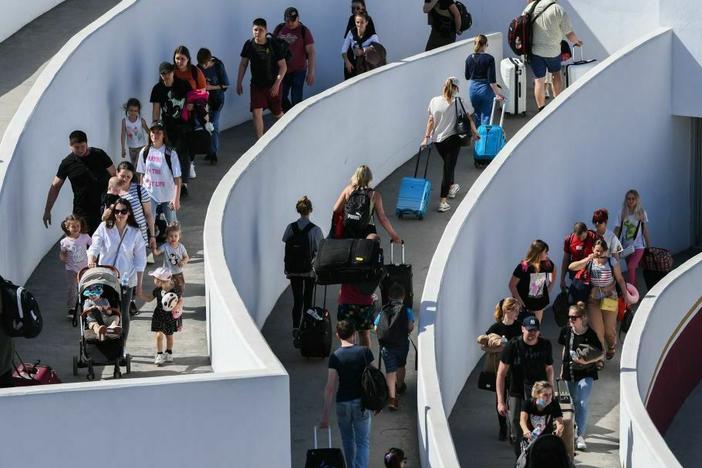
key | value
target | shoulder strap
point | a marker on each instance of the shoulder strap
(121, 239)
(295, 228)
(308, 228)
(145, 153)
(277, 29)
(638, 226)
(168, 154)
(139, 194)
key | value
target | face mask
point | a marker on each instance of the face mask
(541, 402)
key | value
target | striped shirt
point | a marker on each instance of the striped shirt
(137, 208)
(602, 275)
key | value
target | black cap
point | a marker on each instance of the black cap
(291, 13)
(531, 323)
(158, 125)
(165, 67)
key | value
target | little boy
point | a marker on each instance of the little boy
(98, 313)
(393, 326)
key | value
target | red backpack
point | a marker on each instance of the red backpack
(520, 32)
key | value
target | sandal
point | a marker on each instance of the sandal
(610, 353)
(600, 365)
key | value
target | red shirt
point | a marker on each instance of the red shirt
(579, 249)
(349, 294)
(297, 43)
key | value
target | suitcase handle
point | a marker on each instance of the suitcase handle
(582, 57)
(392, 252)
(492, 112)
(315, 436)
(419, 156)
(314, 299)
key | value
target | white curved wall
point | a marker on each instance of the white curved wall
(582, 152)
(66, 96)
(18, 13)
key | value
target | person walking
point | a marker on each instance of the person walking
(118, 242)
(302, 65)
(217, 84)
(134, 130)
(441, 128)
(582, 350)
(357, 7)
(480, 71)
(530, 359)
(88, 169)
(576, 246)
(445, 21)
(140, 199)
(550, 24)
(73, 253)
(301, 239)
(532, 279)
(356, 43)
(268, 68)
(633, 232)
(599, 219)
(346, 366)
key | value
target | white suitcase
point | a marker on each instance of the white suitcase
(576, 69)
(513, 74)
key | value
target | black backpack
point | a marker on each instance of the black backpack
(393, 325)
(374, 389)
(298, 257)
(19, 311)
(520, 32)
(466, 18)
(357, 213)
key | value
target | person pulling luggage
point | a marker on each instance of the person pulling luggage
(480, 71)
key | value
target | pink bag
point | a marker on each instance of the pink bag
(195, 97)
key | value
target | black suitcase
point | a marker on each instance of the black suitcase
(325, 457)
(401, 274)
(315, 332)
(350, 261)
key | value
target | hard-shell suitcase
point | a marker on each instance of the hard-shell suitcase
(315, 332)
(350, 261)
(574, 71)
(566, 402)
(514, 77)
(324, 457)
(25, 374)
(413, 197)
(397, 273)
(492, 139)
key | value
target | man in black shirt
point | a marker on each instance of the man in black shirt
(88, 169)
(445, 21)
(268, 68)
(168, 99)
(529, 359)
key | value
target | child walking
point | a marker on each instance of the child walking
(134, 130)
(175, 255)
(166, 318)
(74, 254)
(393, 326)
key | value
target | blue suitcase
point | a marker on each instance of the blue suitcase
(492, 139)
(413, 198)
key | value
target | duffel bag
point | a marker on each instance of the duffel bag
(351, 261)
(657, 259)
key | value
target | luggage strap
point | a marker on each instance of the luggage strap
(419, 156)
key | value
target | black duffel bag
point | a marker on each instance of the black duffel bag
(351, 261)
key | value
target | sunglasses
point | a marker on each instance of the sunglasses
(573, 318)
(121, 212)
(358, 8)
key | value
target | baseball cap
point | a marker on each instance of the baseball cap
(161, 273)
(158, 125)
(531, 323)
(291, 13)
(165, 67)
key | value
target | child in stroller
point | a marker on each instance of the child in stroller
(100, 316)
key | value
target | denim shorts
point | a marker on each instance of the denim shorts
(539, 65)
(394, 358)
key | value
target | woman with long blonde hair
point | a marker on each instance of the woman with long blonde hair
(633, 232)
(533, 278)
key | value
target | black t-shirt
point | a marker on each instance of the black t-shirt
(264, 61)
(88, 176)
(509, 331)
(527, 364)
(587, 338)
(172, 100)
(544, 417)
(533, 285)
(437, 20)
(349, 362)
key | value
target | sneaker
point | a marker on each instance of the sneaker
(159, 359)
(184, 190)
(443, 207)
(453, 190)
(393, 405)
(193, 175)
(580, 443)
(168, 357)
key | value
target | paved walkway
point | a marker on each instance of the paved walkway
(683, 436)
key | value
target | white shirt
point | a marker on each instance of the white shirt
(629, 229)
(549, 28)
(158, 179)
(131, 258)
(615, 247)
(444, 114)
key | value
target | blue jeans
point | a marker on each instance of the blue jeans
(164, 208)
(292, 88)
(481, 97)
(214, 120)
(580, 394)
(354, 425)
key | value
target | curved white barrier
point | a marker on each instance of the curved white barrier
(18, 13)
(541, 183)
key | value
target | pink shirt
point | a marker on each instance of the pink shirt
(76, 251)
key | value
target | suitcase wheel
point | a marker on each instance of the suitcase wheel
(117, 373)
(420, 217)
(75, 365)
(91, 371)
(400, 215)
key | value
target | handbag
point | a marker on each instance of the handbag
(462, 126)
(628, 250)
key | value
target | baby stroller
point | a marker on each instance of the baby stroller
(93, 351)
(545, 451)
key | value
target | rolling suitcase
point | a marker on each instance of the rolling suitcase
(413, 197)
(401, 274)
(25, 374)
(566, 402)
(513, 72)
(575, 70)
(325, 457)
(315, 331)
(492, 139)
(656, 263)
(352, 261)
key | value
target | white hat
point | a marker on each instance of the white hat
(161, 273)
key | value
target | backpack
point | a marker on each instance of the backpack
(168, 152)
(283, 44)
(298, 257)
(357, 213)
(466, 18)
(393, 325)
(19, 311)
(374, 389)
(520, 33)
(276, 45)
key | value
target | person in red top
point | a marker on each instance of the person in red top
(185, 70)
(302, 65)
(576, 246)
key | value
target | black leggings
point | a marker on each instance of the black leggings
(303, 292)
(448, 150)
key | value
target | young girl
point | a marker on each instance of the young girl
(539, 413)
(175, 255)
(163, 322)
(134, 129)
(74, 254)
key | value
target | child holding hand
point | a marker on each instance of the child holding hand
(175, 255)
